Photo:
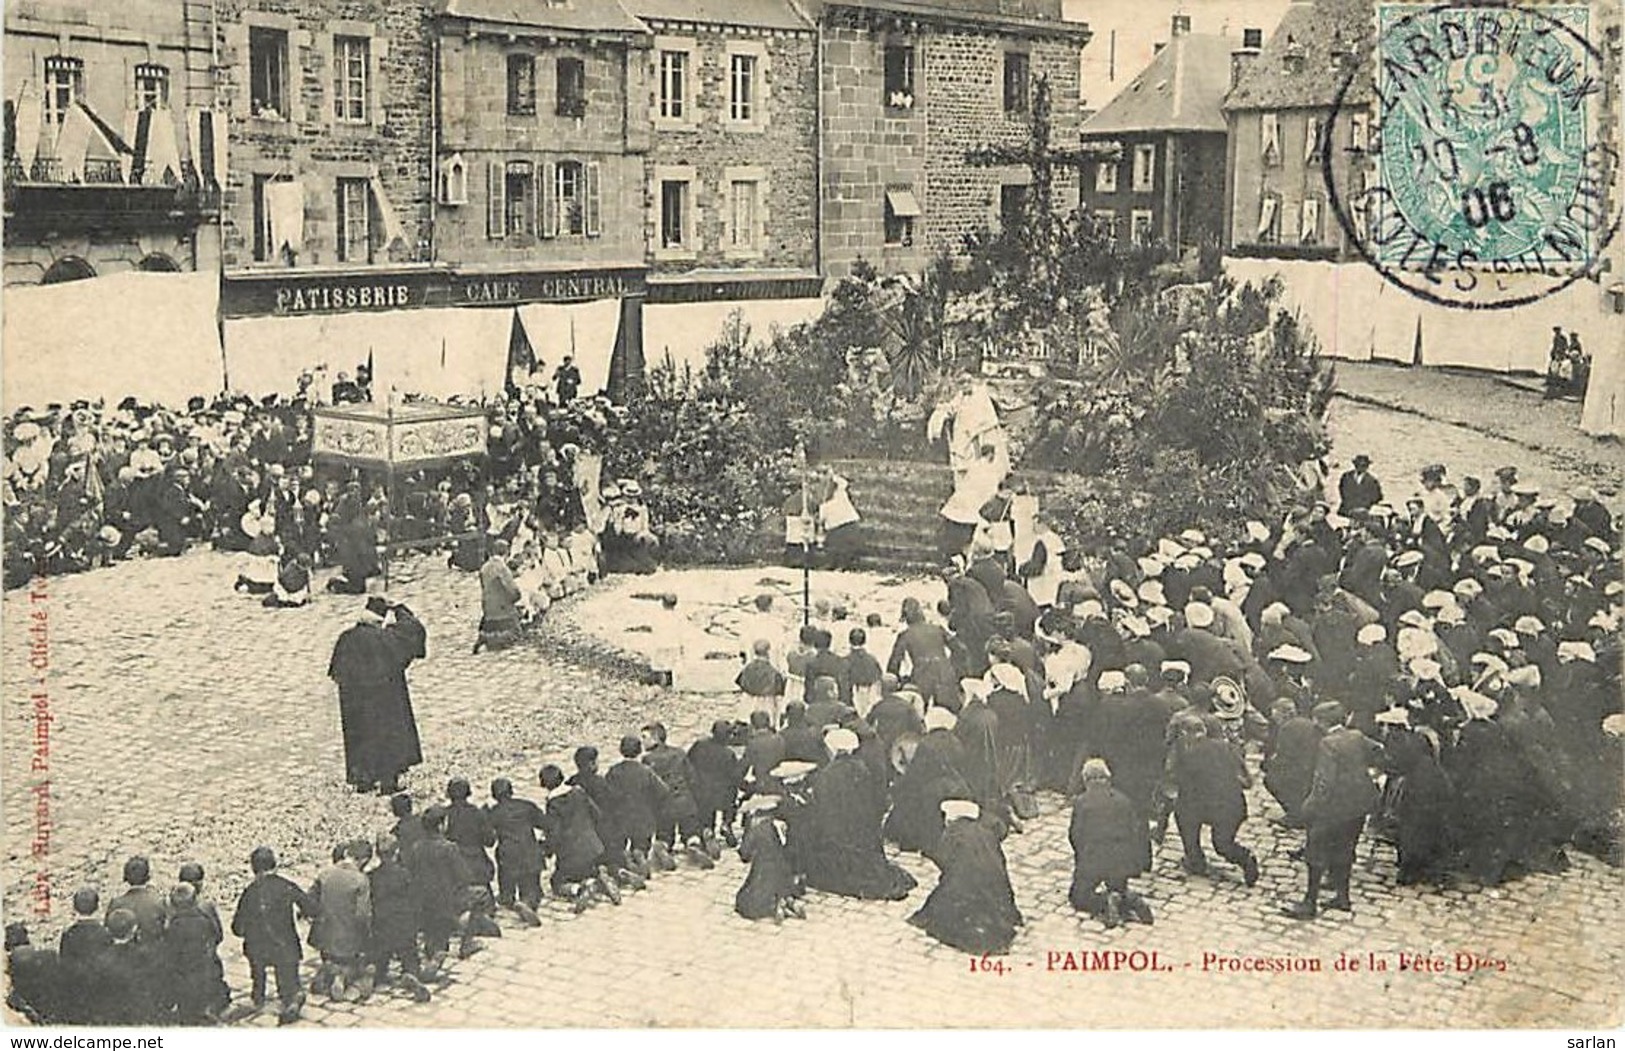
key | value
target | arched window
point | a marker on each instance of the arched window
(68, 268)
(160, 263)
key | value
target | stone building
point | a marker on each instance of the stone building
(1167, 183)
(330, 118)
(107, 113)
(732, 177)
(1280, 115)
(907, 90)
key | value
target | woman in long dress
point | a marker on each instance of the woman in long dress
(973, 907)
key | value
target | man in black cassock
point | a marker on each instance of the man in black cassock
(375, 705)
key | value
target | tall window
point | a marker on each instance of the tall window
(744, 214)
(1309, 221)
(1269, 138)
(1145, 168)
(64, 80)
(1313, 141)
(518, 191)
(268, 73)
(569, 189)
(899, 88)
(352, 55)
(1106, 223)
(1017, 76)
(1012, 200)
(742, 87)
(674, 206)
(571, 77)
(1105, 176)
(521, 85)
(262, 217)
(151, 86)
(674, 84)
(354, 221)
(1269, 220)
(1143, 226)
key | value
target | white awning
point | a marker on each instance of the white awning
(903, 204)
(148, 335)
(1266, 215)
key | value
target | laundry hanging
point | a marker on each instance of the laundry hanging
(30, 122)
(386, 213)
(206, 137)
(285, 215)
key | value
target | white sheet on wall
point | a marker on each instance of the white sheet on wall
(685, 330)
(436, 353)
(1357, 316)
(153, 336)
(585, 331)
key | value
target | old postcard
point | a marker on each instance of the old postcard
(813, 514)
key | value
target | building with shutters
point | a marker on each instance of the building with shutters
(1282, 133)
(113, 161)
(907, 90)
(1166, 184)
(330, 129)
(732, 177)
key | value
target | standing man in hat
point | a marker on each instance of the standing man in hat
(1358, 489)
(1341, 794)
(375, 705)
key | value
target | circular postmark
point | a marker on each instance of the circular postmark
(1465, 156)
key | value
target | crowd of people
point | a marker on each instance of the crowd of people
(88, 484)
(1444, 675)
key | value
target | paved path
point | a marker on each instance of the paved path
(191, 724)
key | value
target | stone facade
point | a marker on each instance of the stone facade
(1184, 203)
(1289, 176)
(321, 92)
(772, 144)
(62, 224)
(885, 152)
(592, 214)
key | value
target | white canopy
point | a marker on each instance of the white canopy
(153, 336)
(434, 352)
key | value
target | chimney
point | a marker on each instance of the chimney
(1180, 26)
(1252, 42)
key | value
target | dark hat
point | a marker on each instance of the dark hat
(196, 404)
(16, 934)
(1362, 460)
(377, 605)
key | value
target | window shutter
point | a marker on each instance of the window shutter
(1311, 140)
(592, 220)
(496, 211)
(547, 199)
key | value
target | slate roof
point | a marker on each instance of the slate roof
(756, 14)
(1313, 28)
(946, 11)
(587, 16)
(1181, 90)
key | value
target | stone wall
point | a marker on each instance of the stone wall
(782, 147)
(958, 106)
(308, 143)
(611, 132)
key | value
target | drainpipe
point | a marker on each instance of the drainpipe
(434, 149)
(818, 149)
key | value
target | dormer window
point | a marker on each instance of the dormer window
(1293, 56)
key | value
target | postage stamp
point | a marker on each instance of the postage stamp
(1485, 182)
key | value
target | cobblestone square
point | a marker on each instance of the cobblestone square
(187, 723)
